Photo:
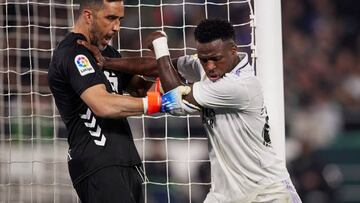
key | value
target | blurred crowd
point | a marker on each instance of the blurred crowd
(321, 68)
(321, 50)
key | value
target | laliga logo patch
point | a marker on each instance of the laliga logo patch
(83, 65)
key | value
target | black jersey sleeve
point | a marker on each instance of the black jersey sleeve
(82, 70)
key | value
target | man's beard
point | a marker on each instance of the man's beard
(94, 39)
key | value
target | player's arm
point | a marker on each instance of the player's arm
(134, 65)
(88, 82)
(104, 104)
(138, 87)
(169, 76)
(146, 66)
(109, 105)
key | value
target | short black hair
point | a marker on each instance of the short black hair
(92, 3)
(209, 30)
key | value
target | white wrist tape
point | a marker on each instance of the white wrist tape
(145, 104)
(160, 47)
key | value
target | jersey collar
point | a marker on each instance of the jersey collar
(243, 65)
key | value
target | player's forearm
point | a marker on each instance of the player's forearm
(105, 104)
(138, 87)
(169, 76)
(134, 65)
(115, 106)
(167, 73)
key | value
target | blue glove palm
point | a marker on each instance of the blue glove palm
(173, 103)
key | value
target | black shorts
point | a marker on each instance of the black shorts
(115, 184)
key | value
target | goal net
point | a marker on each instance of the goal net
(33, 145)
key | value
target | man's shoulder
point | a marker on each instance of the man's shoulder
(68, 49)
(69, 43)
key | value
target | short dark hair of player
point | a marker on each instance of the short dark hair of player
(95, 4)
(213, 29)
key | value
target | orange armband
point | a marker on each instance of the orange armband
(152, 103)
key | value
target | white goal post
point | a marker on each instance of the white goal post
(269, 58)
(33, 145)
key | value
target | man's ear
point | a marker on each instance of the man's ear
(234, 49)
(88, 16)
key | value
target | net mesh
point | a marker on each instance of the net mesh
(33, 144)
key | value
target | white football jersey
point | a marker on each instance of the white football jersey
(235, 119)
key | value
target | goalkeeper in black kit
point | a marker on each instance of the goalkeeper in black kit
(103, 162)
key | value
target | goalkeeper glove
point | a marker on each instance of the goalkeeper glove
(173, 103)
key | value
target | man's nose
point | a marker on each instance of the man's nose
(116, 26)
(210, 65)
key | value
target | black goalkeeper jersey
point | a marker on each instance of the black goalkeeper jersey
(94, 142)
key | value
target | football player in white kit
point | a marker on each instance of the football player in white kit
(223, 86)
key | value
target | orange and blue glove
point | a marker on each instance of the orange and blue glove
(171, 102)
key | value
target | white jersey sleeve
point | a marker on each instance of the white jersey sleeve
(231, 91)
(222, 93)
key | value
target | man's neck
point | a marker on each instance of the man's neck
(237, 60)
(81, 29)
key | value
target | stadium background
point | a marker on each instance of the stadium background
(321, 47)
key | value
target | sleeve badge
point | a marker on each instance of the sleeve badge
(83, 65)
